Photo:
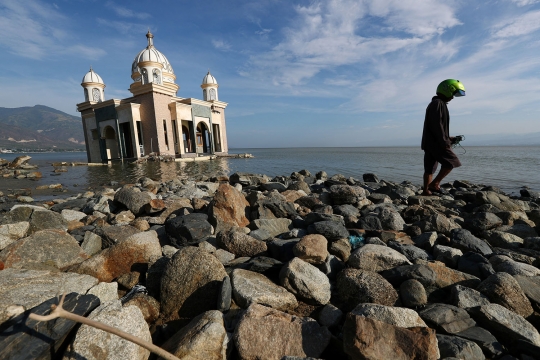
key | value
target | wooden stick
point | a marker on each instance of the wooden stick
(59, 312)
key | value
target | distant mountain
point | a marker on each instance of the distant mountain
(40, 127)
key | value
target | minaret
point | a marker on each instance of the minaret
(94, 87)
(210, 88)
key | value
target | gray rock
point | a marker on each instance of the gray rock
(438, 223)
(40, 251)
(105, 291)
(453, 346)
(376, 258)
(273, 227)
(465, 241)
(331, 230)
(481, 221)
(250, 287)
(466, 298)
(9, 233)
(411, 252)
(475, 264)
(413, 293)
(42, 220)
(345, 194)
(73, 215)
(282, 250)
(188, 229)
(359, 286)
(426, 240)
(532, 243)
(504, 240)
(312, 249)
(225, 295)
(91, 244)
(133, 199)
(397, 316)
(530, 286)
(424, 274)
(521, 230)
(30, 288)
(448, 255)
(391, 220)
(269, 186)
(446, 318)
(331, 267)
(224, 256)
(506, 324)
(483, 338)
(92, 343)
(501, 288)
(330, 315)
(240, 244)
(505, 264)
(306, 282)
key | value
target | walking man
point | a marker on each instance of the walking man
(436, 139)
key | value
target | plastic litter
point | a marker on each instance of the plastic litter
(356, 241)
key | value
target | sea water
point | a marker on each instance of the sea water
(509, 168)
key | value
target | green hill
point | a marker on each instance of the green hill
(40, 127)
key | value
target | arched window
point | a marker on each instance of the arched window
(86, 94)
(204, 95)
(212, 94)
(96, 95)
(157, 77)
(144, 76)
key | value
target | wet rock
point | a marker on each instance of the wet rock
(228, 208)
(503, 289)
(466, 298)
(365, 338)
(92, 343)
(475, 264)
(189, 229)
(190, 273)
(306, 282)
(413, 293)
(312, 249)
(465, 241)
(397, 316)
(359, 286)
(204, 337)
(446, 318)
(453, 346)
(40, 251)
(240, 244)
(267, 266)
(271, 334)
(250, 287)
(273, 227)
(19, 161)
(133, 198)
(140, 248)
(376, 258)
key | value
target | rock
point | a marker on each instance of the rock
(411, 252)
(426, 240)
(42, 220)
(330, 316)
(9, 233)
(438, 223)
(73, 215)
(148, 305)
(19, 161)
(225, 295)
(521, 230)
(370, 177)
(113, 234)
(331, 267)
(341, 248)
(360, 286)
(190, 273)
(475, 264)
(532, 243)
(504, 240)
(503, 289)
(30, 288)
(133, 198)
(300, 185)
(26, 338)
(376, 258)
(466, 298)
(446, 318)
(105, 291)
(204, 337)
(269, 186)
(499, 201)
(365, 338)
(306, 282)
(447, 277)
(397, 316)
(91, 244)
(40, 251)
(265, 333)
(188, 229)
(312, 249)
(246, 179)
(413, 293)
(481, 221)
(423, 273)
(465, 241)
(273, 227)
(530, 286)
(224, 256)
(282, 250)
(505, 264)
(267, 266)
(249, 287)
(140, 248)
(228, 208)
(331, 230)
(448, 255)
(124, 218)
(484, 339)
(345, 194)
(240, 244)
(92, 343)
(453, 346)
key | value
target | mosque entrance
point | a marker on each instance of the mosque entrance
(111, 143)
(186, 139)
(217, 137)
(203, 138)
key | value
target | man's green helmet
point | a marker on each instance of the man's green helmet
(451, 87)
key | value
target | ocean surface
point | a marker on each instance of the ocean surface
(509, 168)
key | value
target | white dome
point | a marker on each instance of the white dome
(209, 79)
(91, 76)
(150, 53)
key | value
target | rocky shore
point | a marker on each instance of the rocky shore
(292, 267)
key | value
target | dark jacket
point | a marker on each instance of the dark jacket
(436, 135)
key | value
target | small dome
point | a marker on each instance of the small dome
(209, 79)
(150, 53)
(91, 76)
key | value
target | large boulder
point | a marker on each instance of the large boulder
(95, 344)
(502, 263)
(376, 258)
(365, 338)
(481, 221)
(397, 316)
(266, 333)
(133, 198)
(312, 249)
(438, 223)
(466, 298)
(359, 286)
(456, 347)
(249, 287)
(191, 284)
(189, 229)
(501, 288)
(306, 282)
(29, 288)
(140, 248)
(240, 244)
(228, 208)
(465, 241)
(204, 338)
(504, 240)
(40, 251)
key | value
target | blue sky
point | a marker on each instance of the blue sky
(295, 73)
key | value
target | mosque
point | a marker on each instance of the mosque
(154, 119)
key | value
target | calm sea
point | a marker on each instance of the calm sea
(509, 168)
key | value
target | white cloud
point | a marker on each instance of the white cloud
(525, 2)
(221, 45)
(521, 25)
(125, 12)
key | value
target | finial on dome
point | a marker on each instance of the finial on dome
(150, 38)
(91, 68)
